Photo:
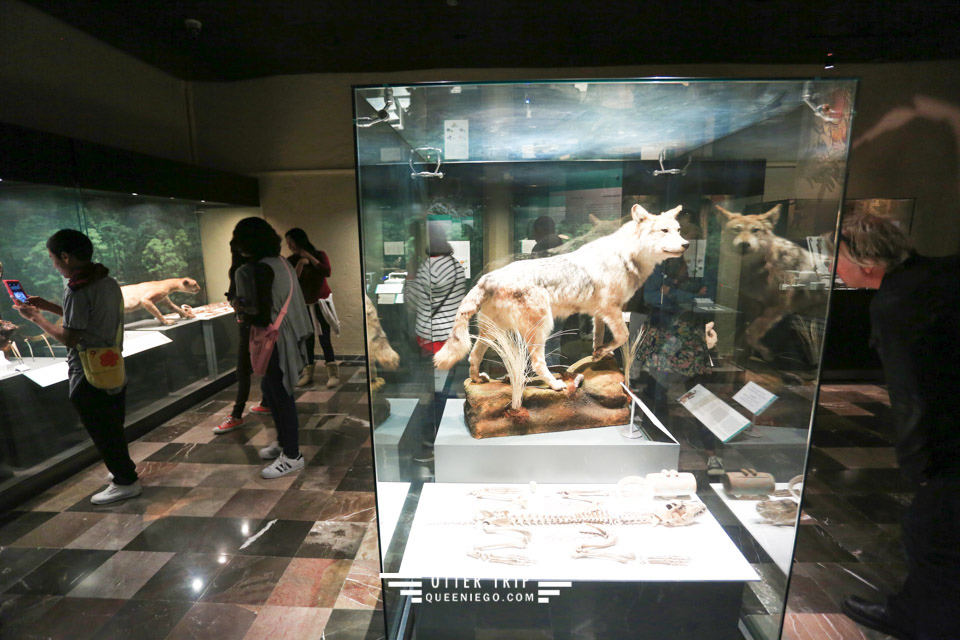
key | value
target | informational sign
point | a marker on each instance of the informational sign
(456, 139)
(604, 203)
(393, 248)
(715, 414)
(754, 398)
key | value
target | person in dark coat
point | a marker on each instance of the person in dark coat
(915, 327)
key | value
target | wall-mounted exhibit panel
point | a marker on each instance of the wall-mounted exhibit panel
(595, 313)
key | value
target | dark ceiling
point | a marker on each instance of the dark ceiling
(251, 38)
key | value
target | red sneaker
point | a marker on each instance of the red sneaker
(259, 408)
(228, 425)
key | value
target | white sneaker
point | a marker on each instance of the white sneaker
(117, 492)
(271, 451)
(281, 467)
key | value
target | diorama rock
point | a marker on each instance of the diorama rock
(599, 401)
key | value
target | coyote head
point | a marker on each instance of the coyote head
(748, 233)
(659, 234)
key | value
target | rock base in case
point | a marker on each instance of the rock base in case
(599, 401)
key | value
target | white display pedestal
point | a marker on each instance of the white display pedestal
(586, 455)
(776, 541)
(391, 497)
(442, 534)
(387, 438)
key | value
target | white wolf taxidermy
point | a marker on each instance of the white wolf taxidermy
(597, 279)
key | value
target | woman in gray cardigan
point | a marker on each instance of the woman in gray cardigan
(263, 287)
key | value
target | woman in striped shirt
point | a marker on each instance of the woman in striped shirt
(437, 289)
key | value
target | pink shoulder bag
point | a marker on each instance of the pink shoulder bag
(263, 339)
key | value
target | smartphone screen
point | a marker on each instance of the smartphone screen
(16, 291)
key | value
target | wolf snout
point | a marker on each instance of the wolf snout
(685, 244)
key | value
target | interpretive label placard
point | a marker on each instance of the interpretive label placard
(714, 413)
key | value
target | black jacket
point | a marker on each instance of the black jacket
(915, 327)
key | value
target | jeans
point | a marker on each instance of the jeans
(244, 371)
(282, 406)
(102, 414)
(325, 343)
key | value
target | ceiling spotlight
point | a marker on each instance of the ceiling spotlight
(828, 63)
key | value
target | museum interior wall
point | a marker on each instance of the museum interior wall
(216, 228)
(58, 79)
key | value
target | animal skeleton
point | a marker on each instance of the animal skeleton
(673, 514)
(501, 558)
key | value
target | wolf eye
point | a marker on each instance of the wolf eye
(665, 230)
(756, 229)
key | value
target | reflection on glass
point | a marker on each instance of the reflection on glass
(724, 340)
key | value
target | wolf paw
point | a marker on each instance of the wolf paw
(600, 354)
(557, 385)
(482, 377)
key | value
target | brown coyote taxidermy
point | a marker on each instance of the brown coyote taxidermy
(766, 260)
(597, 279)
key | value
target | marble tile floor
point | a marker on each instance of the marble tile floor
(210, 550)
(854, 500)
(185, 560)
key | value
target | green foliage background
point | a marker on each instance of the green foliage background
(138, 239)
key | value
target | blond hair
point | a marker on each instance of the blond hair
(874, 241)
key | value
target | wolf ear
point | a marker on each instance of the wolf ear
(771, 216)
(728, 214)
(594, 220)
(638, 213)
(673, 213)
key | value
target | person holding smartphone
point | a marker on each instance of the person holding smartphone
(92, 311)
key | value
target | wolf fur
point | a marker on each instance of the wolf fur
(766, 259)
(597, 279)
(377, 344)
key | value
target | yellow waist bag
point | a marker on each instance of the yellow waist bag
(103, 366)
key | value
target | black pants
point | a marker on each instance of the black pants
(244, 371)
(325, 343)
(282, 406)
(927, 603)
(102, 414)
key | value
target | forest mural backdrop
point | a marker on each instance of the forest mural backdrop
(138, 239)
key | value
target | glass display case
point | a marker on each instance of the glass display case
(140, 239)
(637, 270)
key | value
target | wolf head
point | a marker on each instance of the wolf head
(659, 235)
(188, 285)
(746, 234)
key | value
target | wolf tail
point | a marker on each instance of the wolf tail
(458, 344)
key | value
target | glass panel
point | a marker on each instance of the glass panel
(140, 240)
(494, 480)
(32, 430)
